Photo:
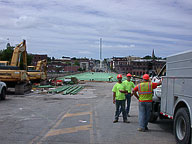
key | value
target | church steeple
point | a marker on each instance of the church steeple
(153, 54)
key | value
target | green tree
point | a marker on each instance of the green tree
(80, 69)
(48, 59)
(147, 57)
(74, 58)
(76, 63)
(52, 58)
(6, 54)
(68, 63)
(29, 59)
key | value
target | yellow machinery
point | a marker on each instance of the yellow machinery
(38, 73)
(4, 63)
(12, 75)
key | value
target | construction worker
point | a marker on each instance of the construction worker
(129, 85)
(145, 90)
(119, 91)
(110, 78)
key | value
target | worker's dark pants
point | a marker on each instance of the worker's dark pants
(120, 103)
(128, 99)
(144, 113)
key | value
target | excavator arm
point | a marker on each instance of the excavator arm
(19, 49)
(42, 66)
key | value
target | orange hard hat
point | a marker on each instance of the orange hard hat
(129, 75)
(119, 76)
(145, 76)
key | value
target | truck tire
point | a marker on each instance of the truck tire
(154, 110)
(153, 118)
(182, 126)
(3, 94)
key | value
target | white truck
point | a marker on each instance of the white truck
(174, 98)
(3, 89)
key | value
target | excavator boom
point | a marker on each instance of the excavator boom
(16, 57)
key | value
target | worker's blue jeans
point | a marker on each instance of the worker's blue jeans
(144, 113)
(128, 99)
(120, 103)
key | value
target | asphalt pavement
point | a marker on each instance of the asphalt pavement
(68, 119)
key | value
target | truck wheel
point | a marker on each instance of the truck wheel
(3, 94)
(182, 126)
(153, 118)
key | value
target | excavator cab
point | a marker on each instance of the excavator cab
(4, 63)
(38, 73)
(31, 68)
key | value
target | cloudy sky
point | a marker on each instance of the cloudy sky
(73, 27)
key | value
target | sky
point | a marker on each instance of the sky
(74, 27)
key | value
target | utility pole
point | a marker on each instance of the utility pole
(100, 53)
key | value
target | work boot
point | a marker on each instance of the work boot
(140, 129)
(115, 121)
(126, 121)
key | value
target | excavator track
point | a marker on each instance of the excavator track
(22, 88)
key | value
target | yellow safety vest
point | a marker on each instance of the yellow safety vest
(145, 91)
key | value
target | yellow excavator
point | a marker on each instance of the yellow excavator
(12, 75)
(38, 73)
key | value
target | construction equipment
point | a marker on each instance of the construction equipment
(12, 74)
(4, 63)
(174, 98)
(38, 73)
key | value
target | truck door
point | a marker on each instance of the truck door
(164, 94)
(170, 96)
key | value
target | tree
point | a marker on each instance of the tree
(147, 57)
(29, 59)
(68, 63)
(80, 69)
(48, 59)
(74, 58)
(52, 58)
(76, 63)
(6, 54)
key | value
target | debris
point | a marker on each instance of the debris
(82, 121)
(60, 89)
(77, 90)
(57, 82)
(45, 86)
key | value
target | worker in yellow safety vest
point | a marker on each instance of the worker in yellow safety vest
(145, 91)
(119, 91)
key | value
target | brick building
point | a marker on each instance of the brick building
(37, 58)
(135, 65)
(67, 64)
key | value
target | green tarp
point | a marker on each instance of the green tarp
(94, 76)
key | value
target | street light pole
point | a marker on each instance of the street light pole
(100, 53)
